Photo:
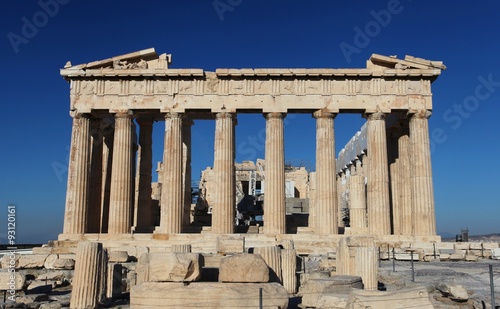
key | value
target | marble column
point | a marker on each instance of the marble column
(394, 179)
(95, 193)
(274, 198)
(120, 204)
(357, 210)
(421, 175)
(88, 275)
(108, 125)
(326, 193)
(77, 192)
(404, 179)
(224, 196)
(144, 222)
(171, 191)
(378, 203)
(186, 172)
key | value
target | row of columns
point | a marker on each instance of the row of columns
(399, 196)
(90, 153)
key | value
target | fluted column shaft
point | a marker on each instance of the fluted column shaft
(186, 171)
(421, 175)
(379, 222)
(224, 200)
(120, 205)
(88, 287)
(274, 203)
(95, 193)
(326, 186)
(108, 125)
(357, 199)
(144, 223)
(171, 195)
(77, 192)
(405, 191)
(289, 269)
(272, 257)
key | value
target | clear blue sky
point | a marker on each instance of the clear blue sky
(249, 34)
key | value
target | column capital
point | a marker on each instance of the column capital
(375, 116)
(76, 115)
(422, 114)
(221, 115)
(173, 115)
(324, 114)
(124, 114)
(274, 115)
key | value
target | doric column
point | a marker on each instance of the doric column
(378, 203)
(77, 192)
(224, 200)
(311, 222)
(274, 198)
(405, 191)
(421, 175)
(357, 209)
(186, 171)
(88, 287)
(108, 125)
(326, 187)
(171, 191)
(394, 179)
(120, 205)
(144, 223)
(95, 193)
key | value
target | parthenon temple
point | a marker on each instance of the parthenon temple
(383, 176)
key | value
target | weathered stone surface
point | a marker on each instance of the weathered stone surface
(32, 261)
(42, 250)
(272, 256)
(11, 280)
(160, 295)
(181, 248)
(52, 275)
(174, 267)
(330, 301)
(471, 258)
(230, 244)
(495, 254)
(29, 299)
(64, 264)
(334, 284)
(118, 256)
(53, 305)
(142, 268)
(289, 269)
(243, 268)
(318, 292)
(10, 260)
(454, 292)
(50, 260)
(407, 298)
(89, 272)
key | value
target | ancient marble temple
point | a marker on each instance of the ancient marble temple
(384, 176)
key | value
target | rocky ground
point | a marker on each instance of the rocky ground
(473, 276)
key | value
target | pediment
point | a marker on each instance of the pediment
(142, 59)
(409, 62)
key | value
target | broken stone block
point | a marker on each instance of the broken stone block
(49, 261)
(9, 260)
(52, 275)
(174, 267)
(209, 295)
(272, 256)
(230, 244)
(338, 286)
(118, 256)
(11, 281)
(30, 299)
(64, 264)
(495, 254)
(453, 292)
(42, 250)
(243, 268)
(52, 305)
(406, 298)
(32, 261)
(471, 258)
